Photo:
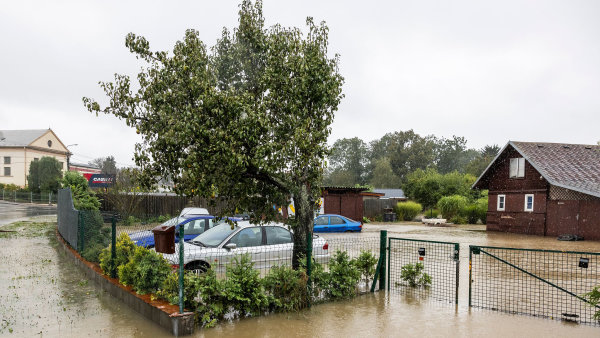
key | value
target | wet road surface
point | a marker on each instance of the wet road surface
(12, 212)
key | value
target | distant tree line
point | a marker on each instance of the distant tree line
(387, 162)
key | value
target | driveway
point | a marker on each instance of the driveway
(12, 212)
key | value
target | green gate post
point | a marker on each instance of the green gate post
(309, 265)
(113, 250)
(382, 253)
(457, 260)
(181, 234)
(470, 267)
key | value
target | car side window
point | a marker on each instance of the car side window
(278, 235)
(337, 220)
(324, 220)
(247, 237)
(195, 227)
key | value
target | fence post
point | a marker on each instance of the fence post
(457, 262)
(181, 239)
(31, 197)
(113, 249)
(382, 253)
(15, 196)
(309, 264)
(470, 276)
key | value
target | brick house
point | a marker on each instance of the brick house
(547, 189)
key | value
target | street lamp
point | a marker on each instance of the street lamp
(69, 155)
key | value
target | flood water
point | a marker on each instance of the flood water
(12, 212)
(42, 294)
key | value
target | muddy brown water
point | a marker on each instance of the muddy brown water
(41, 294)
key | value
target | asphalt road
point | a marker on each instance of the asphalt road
(12, 212)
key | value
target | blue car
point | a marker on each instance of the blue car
(192, 227)
(336, 223)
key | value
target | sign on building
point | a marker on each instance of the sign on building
(101, 181)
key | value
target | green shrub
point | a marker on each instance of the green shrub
(11, 187)
(343, 276)
(366, 220)
(366, 263)
(124, 250)
(431, 213)
(451, 206)
(413, 274)
(470, 213)
(286, 288)
(244, 290)
(212, 302)
(130, 220)
(83, 197)
(482, 208)
(92, 251)
(164, 218)
(379, 218)
(458, 220)
(593, 298)
(169, 290)
(145, 271)
(96, 236)
(407, 211)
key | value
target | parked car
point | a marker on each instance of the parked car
(192, 226)
(336, 223)
(193, 211)
(268, 245)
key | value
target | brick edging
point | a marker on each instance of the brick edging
(158, 311)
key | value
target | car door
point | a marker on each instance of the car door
(279, 246)
(248, 241)
(321, 224)
(337, 224)
(193, 228)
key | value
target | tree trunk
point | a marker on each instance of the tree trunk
(304, 225)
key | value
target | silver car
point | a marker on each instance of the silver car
(268, 245)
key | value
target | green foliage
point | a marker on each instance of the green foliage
(431, 213)
(125, 249)
(383, 176)
(458, 219)
(366, 220)
(451, 206)
(428, 186)
(593, 297)
(130, 220)
(348, 156)
(470, 213)
(203, 115)
(169, 290)
(286, 288)
(44, 175)
(145, 271)
(9, 187)
(343, 276)
(482, 208)
(366, 263)
(83, 197)
(212, 300)
(407, 211)
(415, 277)
(245, 292)
(95, 235)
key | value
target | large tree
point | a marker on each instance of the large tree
(44, 175)
(349, 156)
(248, 120)
(107, 164)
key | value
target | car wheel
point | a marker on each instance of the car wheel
(198, 267)
(348, 231)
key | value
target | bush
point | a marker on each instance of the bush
(145, 272)
(10, 187)
(343, 276)
(366, 220)
(458, 220)
(413, 274)
(244, 290)
(124, 250)
(366, 263)
(169, 290)
(407, 211)
(212, 302)
(131, 220)
(451, 206)
(482, 208)
(470, 213)
(286, 288)
(96, 237)
(431, 213)
(593, 298)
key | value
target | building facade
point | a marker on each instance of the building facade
(547, 189)
(18, 148)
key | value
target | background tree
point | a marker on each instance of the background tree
(383, 176)
(482, 160)
(410, 151)
(107, 165)
(453, 155)
(347, 161)
(248, 121)
(44, 175)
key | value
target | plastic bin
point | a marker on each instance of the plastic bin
(164, 239)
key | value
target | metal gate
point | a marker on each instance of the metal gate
(541, 283)
(423, 269)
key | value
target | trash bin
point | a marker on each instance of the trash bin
(389, 217)
(164, 239)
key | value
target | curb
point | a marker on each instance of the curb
(158, 311)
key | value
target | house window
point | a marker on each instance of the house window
(501, 202)
(6, 171)
(529, 202)
(6, 159)
(517, 167)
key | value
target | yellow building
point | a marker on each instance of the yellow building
(18, 148)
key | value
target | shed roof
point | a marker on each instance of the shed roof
(571, 166)
(391, 193)
(20, 138)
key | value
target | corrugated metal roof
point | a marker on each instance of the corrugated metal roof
(20, 138)
(391, 193)
(570, 166)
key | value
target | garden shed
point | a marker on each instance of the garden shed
(345, 201)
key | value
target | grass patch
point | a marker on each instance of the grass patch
(26, 229)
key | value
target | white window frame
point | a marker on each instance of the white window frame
(517, 167)
(503, 203)
(532, 202)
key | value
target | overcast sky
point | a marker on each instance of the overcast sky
(490, 71)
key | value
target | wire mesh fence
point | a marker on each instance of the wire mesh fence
(28, 197)
(424, 269)
(541, 283)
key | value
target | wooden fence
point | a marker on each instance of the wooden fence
(375, 207)
(153, 204)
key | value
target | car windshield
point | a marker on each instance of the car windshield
(173, 221)
(216, 235)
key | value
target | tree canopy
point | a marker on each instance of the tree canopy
(107, 165)
(247, 119)
(44, 175)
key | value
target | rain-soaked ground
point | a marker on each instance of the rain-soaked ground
(42, 294)
(12, 212)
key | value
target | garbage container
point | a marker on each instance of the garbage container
(389, 217)
(164, 239)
